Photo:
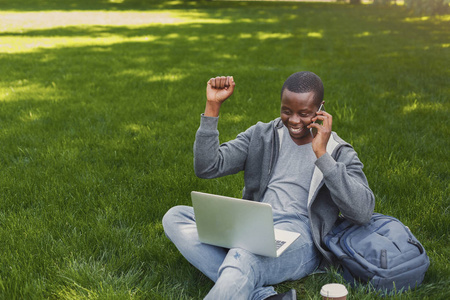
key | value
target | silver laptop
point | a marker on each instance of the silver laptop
(236, 223)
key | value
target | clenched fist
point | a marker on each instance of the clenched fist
(220, 88)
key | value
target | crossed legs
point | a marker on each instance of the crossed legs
(237, 273)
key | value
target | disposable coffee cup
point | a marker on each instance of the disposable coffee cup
(334, 291)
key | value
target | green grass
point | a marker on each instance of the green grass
(100, 101)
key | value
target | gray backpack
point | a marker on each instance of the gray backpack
(384, 254)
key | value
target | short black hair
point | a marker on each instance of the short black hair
(305, 82)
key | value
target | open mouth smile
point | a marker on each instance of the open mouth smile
(296, 130)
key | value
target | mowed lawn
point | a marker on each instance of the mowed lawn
(100, 102)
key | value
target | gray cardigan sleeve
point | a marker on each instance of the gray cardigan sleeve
(213, 160)
(348, 186)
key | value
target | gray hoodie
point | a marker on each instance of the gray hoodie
(338, 184)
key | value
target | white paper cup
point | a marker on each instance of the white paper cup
(334, 291)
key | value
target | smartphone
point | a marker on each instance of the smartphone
(311, 129)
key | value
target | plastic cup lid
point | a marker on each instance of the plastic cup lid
(333, 290)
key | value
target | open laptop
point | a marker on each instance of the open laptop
(236, 223)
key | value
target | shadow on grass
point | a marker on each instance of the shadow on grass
(103, 130)
(154, 88)
(42, 5)
(111, 5)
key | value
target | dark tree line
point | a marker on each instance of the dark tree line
(419, 7)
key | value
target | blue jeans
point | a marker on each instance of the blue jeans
(237, 273)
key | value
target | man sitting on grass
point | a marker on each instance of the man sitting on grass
(304, 170)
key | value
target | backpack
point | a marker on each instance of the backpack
(383, 253)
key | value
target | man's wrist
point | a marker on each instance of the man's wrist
(320, 153)
(326, 164)
(212, 109)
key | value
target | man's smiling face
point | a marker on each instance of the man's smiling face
(297, 111)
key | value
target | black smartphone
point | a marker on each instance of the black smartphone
(315, 130)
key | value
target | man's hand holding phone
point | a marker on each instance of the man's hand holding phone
(323, 132)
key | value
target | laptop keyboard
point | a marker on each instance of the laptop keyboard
(279, 243)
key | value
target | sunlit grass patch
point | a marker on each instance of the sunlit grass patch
(20, 21)
(315, 35)
(30, 31)
(423, 107)
(25, 90)
(265, 35)
(30, 44)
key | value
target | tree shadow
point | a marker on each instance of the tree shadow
(104, 82)
(176, 55)
(110, 5)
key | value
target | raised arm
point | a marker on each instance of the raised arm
(211, 159)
